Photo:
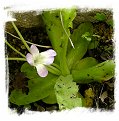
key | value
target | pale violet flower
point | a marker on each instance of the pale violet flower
(39, 60)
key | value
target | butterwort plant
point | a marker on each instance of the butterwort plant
(55, 81)
(40, 60)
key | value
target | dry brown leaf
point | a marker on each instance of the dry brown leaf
(103, 96)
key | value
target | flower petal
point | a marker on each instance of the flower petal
(48, 53)
(41, 70)
(34, 50)
(29, 58)
(48, 60)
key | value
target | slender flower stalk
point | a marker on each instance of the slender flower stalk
(24, 42)
(12, 35)
(14, 49)
(19, 59)
(28, 41)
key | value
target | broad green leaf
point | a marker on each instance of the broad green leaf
(55, 30)
(83, 28)
(80, 43)
(51, 99)
(101, 72)
(57, 24)
(39, 88)
(29, 71)
(67, 93)
(68, 17)
(85, 63)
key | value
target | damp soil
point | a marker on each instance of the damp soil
(102, 52)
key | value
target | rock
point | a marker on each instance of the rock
(34, 19)
(25, 20)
